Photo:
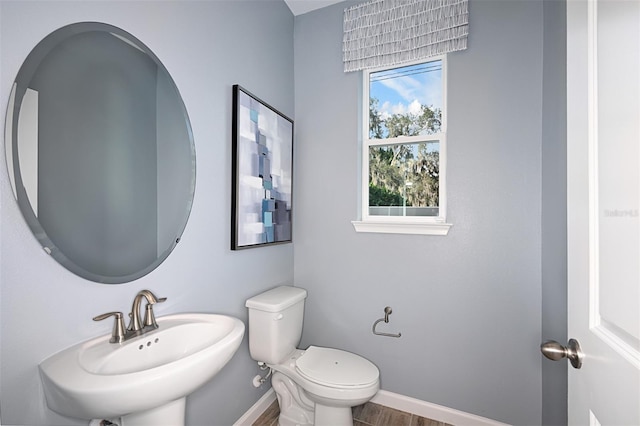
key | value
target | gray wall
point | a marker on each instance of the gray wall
(468, 304)
(207, 47)
(554, 209)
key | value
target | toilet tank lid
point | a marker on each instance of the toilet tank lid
(277, 299)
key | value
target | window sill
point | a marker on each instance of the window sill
(418, 228)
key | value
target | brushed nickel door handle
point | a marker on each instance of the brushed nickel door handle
(555, 351)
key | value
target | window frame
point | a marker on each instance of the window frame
(425, 225)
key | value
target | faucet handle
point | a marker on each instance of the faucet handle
(151, 298)
(149, 317)
(117, 335)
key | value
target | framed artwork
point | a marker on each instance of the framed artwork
(262, 169)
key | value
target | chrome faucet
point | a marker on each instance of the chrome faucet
(119, 334)
(149, 318)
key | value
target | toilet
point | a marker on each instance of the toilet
(317, 386)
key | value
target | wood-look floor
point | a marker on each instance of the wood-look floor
(368, 414)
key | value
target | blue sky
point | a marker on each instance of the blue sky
(404, 89)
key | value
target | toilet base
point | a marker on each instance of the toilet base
(332, 416)
(298, 408)
(295, 408)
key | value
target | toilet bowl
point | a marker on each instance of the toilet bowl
(316, 386)
(334, 380)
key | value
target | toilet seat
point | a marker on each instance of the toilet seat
(336, 368)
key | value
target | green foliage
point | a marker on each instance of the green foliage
(380, 196)
(427, 122)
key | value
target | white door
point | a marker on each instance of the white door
(603, 123)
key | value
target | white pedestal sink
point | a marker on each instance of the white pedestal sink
(145, 380)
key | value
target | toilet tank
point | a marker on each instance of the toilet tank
(275, 323)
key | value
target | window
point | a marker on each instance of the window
(404, 150)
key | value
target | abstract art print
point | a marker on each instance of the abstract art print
(262, 169)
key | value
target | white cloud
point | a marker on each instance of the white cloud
(415, 107)
(387, 109)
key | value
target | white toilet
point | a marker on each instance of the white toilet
(314, 386)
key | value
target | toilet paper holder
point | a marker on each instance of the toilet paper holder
(387, 312)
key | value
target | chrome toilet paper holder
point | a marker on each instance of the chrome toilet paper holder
(387, 312)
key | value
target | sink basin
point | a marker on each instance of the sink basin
(144, 378)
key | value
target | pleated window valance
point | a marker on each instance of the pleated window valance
(390, 32)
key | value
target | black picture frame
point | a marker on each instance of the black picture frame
(262, 173)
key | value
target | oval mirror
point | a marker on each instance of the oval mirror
(100, 152)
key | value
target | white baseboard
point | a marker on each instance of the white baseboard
(431, 411)
(257, 409)
(388, 399)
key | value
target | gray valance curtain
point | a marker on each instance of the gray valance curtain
(382, 33)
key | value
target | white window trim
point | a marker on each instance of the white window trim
(421, 225)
